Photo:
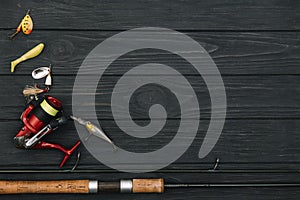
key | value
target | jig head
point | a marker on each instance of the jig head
(26, 26)
(93, 130)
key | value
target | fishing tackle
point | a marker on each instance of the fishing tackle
(40, 118)
(30, 54)
(42, 72)
(33, 90)
(48, 80)
(30, 92)
(135, 185)
(93, 130)
(26, 25)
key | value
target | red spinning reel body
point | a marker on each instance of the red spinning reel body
(40, 118)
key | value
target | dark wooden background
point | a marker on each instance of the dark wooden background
(255, 44)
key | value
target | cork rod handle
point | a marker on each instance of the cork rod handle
(60, 186)
(148, 185)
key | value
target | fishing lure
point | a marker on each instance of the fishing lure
(26, 25)
(31, 93)
(30, 54)
(93, 130)
(42, 72)
(48, 80)
(33, 90)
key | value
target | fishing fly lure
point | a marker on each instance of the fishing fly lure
(33, 90)
(26, 26)
(31, 93)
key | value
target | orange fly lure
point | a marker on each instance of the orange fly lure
(26, 26)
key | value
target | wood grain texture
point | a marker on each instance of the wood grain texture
(266, 144)
(255, 45)
(191, 15)
(235, 53)
(248, 97)
(192, 194)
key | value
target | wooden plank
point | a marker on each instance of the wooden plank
(260, 69)
(235, 53)
(248, 97)
(191, 194)
(187, 15)
(244, 144)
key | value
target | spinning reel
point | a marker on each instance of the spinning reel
(40, 118)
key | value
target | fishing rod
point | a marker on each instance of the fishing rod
(214, 169)
(123, 186)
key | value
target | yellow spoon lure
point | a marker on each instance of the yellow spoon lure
(26, 26)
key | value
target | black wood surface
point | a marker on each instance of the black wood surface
(190, 15)
(255, 45)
